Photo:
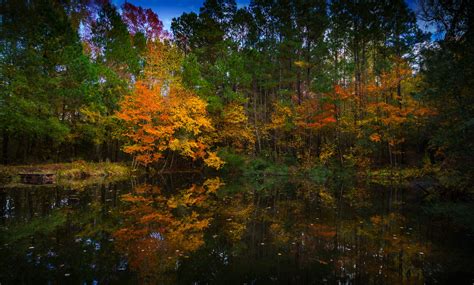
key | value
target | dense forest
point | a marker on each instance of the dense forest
(350, 84)
(240, 142)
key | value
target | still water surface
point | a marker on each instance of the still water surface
(188, 229)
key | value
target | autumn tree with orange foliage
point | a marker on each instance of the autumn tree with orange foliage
(391, 111)
(161, 118)
(298, 124)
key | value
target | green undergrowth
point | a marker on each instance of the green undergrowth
(258, 167)
(321, 173)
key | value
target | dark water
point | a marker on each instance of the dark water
(191, 230)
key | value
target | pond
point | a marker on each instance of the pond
(190, 229)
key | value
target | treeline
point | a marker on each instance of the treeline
(297, 82)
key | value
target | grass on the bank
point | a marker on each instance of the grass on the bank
(73, 170)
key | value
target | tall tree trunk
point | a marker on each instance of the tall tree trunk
(255, 119)
(5, 144)
(298, 85)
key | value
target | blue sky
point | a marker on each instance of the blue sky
(168, 9)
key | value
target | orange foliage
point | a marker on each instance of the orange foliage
(155, 236)
(341, 93)
(391, 108)
(312, 113)
(160, 115)
(375, 137)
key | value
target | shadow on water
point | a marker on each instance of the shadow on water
(191, 229)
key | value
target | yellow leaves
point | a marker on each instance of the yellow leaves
(188, 112)
(92, 116)
(326, 197)
(195, 195)
(280, 116)
(234, 114)
(212, 184)
(282, 237)
(327, 152)
(189, 199)
(184, 147)
(174, 144)
(213, 161)
(185, 199)
(172, 203)
(302, 64)
(234, 128)
(163, 63)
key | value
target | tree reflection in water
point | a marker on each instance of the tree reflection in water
(158, 231)
(269, 230)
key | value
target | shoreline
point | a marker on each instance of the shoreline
(67, 172)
